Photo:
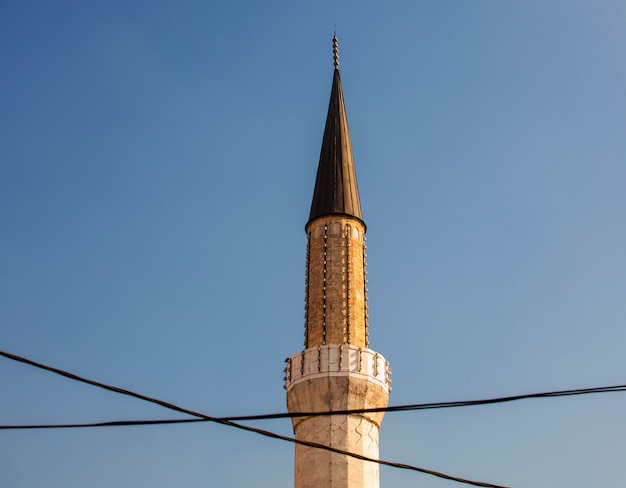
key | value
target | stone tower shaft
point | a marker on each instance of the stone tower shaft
(336, 283)
(336, 371)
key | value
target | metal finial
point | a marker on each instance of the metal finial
(335, 52)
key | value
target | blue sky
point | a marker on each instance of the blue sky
(157, 163)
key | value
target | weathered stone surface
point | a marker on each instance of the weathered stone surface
(317, 468)
(336, 299)
(332, 393)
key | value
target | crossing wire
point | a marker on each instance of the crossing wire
(271, 416)
(230, 421)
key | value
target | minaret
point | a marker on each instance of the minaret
(336, 371)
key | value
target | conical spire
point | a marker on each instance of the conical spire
(336, 189)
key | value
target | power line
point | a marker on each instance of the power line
(230, 423)
(113, 423)
(272, 416)
(437, 405)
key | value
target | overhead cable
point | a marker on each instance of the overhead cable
(230, 423)
(271, 416)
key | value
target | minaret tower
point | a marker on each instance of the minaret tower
(336, 371)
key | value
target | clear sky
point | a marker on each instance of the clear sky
(157, 162)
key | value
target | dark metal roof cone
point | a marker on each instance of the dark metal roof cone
(336, 189)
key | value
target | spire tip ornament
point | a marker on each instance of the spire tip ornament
(335, 51)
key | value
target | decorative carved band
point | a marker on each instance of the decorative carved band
(337, 360)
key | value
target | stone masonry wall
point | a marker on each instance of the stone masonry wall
(336, 283)
(317, 468)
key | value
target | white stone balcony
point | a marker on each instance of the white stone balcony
(337, 360)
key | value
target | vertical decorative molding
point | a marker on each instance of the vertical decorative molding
(324, 288)
(347, 231)
(287, 370)
(306, 291)
(340, 355)
(319, 358)
(365, 304)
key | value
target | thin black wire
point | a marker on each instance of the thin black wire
(230, 423)
(112, 423)
(436, 405)
(398, 408)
